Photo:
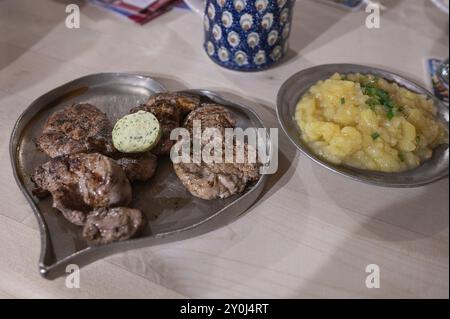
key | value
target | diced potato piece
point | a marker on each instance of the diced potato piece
(386, 162)
(345, 143)
(369, 121)
(408, 141)
(321, 130)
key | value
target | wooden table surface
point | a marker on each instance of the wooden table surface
(312, 234)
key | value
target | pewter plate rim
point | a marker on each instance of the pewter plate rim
(214, 221)
(369, 177)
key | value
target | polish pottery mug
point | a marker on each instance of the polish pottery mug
(245, 35)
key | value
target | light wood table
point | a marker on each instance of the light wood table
(312, 234)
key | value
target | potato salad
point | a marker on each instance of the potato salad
(366, 122)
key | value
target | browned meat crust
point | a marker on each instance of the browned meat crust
(80, 182)
(211, 116)
(80, 128)
(216, 180)
(107, 225)
(185, 102)
(139, 167)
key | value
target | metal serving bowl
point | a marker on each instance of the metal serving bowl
(290, 93)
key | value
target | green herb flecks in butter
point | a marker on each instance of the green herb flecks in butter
(136, 133)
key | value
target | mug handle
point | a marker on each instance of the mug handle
(198, 6)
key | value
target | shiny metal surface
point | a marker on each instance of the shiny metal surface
(443, 74)
(289, 94)
(172, 212)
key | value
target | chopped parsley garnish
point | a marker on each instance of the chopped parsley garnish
(342, 100)
(379, 97)
(372, 102)
(401, 157)
(390, 113)
(418, 139)
(375, 136)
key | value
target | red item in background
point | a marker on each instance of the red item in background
(156, 9)
(134, 13)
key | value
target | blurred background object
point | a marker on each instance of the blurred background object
(437, 77)
(442, 4)
(245, 36)
(139, 11)
(443, 73)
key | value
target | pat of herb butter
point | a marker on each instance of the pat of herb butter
(136, 133)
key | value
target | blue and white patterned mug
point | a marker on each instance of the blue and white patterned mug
(245, 35)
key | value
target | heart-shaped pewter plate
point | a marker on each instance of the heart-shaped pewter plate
(172, 212)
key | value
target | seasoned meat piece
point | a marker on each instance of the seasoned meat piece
(217, 180)
(55, 177)
(80, 182)
(201, 182)
(139, 167)
(247, 172)
(211, 116)
(185, 102)
(165, 143)
(106, 225)
(102, 182)
(211, 180)
(164, 111)
(80, 128)
(76, 217)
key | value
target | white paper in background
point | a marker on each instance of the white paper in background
(139, 3)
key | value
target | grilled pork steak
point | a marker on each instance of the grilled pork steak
(80, 182)
(211, 116)
(216, 179)
(80, 128)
